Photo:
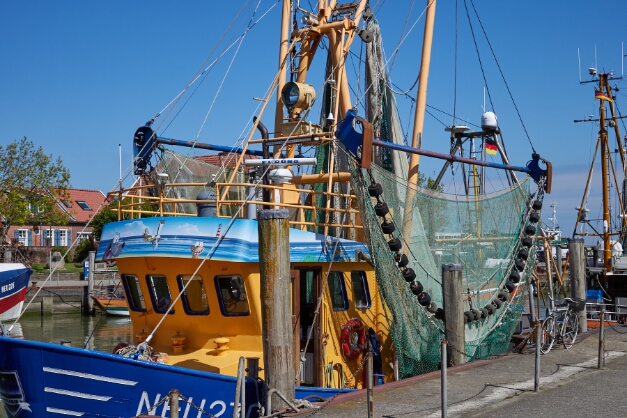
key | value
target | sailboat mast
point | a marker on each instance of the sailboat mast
(607, 250)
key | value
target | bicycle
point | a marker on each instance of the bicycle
(562, 324)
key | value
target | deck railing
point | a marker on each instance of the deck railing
(152, 200)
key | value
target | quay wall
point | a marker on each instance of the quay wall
(66, 292)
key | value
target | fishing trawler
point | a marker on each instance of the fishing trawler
(606, 267)
(13, 286)
(366, 243)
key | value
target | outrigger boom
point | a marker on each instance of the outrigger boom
(361, 143)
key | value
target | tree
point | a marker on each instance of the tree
(30, 183)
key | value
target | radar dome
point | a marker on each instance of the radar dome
(488, 122)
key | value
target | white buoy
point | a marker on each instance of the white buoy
(488, 122)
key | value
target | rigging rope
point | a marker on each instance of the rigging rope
(500, 71)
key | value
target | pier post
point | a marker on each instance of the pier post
(370, 382)
(174, 403)
(454, 325)
(601, 362)
(89, 289)
(276, 316)
(578, 276)
(443, 379)
(535, 323)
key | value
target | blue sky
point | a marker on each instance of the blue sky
(79, 77)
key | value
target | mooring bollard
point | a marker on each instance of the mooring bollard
(443, 381)
(601, 339)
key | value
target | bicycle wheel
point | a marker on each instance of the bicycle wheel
(570, 328)
(548, 335)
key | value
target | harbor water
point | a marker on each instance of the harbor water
(99, 333)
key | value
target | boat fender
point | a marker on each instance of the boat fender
(484, 313)
(395, 244)
(527, 242)
(409, 275)
(523, 254)
(497, 302)
(416, 288)
(537, 204)
(353, 338)
(388, 227)
(534, 217)
(520, 265)
(490, 308)
(424, 299)
(433, 307)
(476, 313)
(439, 314)
(375, 190)
(530, 230)
(382, 209)
(401, 259)
(509, 286)
(502, 296)
(514, 277)
(469, 316)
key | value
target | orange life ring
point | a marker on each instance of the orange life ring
(353, 338)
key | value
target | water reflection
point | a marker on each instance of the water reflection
(106, 332)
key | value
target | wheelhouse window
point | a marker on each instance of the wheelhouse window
(232, 295)
(194, 296)
(337, 290)
(360, 289)
(134, 292)
(159, 293)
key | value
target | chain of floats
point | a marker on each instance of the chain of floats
(395, 244)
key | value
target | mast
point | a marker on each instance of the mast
(605, 175)
(604, 93)
(283, 49)
(419, 117)
(421, 97)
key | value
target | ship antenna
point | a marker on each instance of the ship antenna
(579, 64)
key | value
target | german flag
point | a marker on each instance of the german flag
(490, 147)
(601, 96)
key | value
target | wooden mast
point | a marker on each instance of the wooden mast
(421, 98)
(283, 49)
(605, 175)
(419, 118)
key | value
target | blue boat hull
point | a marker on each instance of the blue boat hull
(48, 380)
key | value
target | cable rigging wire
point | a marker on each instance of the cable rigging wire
(500, 70)
(200, 72)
